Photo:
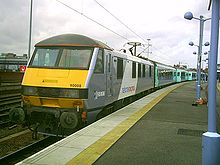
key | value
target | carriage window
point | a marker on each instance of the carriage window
(139, 70)
(99, 66)
(150, 71)
(144, 71)
(120, 68)
(133, 69)
(109, 62)
(183, 75)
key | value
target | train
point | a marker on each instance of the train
(73, 80)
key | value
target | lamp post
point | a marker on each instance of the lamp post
(189, 16)
(197, 74)
(211, 139)
(198, 78)
(205, 53)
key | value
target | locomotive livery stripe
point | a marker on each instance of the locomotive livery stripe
(128, 85)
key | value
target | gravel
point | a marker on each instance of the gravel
(14, 140)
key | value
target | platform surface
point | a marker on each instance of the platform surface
(161, 128)
(171, 133)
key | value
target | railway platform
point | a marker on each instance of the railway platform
(161, 128)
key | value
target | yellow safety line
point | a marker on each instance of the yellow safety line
(94, 151)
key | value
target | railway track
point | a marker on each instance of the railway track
(28, 150)
(10, 96)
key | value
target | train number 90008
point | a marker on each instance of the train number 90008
(75, 85)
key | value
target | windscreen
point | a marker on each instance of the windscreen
(74, 57)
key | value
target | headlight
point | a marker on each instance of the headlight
(69, 93)
(31, 91)
(74, 93)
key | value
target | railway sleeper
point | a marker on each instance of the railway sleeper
(14, 101)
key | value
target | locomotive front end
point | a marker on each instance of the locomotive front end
(54, 109)
(55, 84)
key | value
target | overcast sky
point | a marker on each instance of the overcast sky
(162, 21)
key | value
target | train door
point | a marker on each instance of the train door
(109, 79)
(156, 76)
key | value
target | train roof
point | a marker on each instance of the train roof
(132, 58)
(158, 63)
(69, 40)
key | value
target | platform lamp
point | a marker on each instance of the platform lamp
(189, 16)
(198, 77)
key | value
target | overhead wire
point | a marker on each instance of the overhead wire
(92, 20)
(120, 21)
(157, 50)
(104, 25)
(126, 26)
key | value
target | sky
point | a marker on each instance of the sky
(161, 21)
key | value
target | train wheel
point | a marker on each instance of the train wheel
(69, 120)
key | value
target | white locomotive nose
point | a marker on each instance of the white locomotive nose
(69, 120)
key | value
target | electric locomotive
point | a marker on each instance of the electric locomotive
(72, 79)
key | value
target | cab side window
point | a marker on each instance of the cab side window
(133, 69)
(139, 70)
(120, 71)
(99, 66)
